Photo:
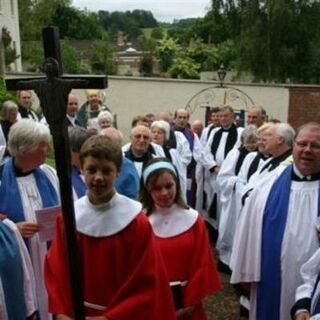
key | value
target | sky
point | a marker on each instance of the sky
(163, 10)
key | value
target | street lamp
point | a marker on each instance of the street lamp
(221, 73)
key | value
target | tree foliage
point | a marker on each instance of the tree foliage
(102, 60)
(10, 53)
(274, 40)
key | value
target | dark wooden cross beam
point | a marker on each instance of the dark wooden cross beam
(53, 90)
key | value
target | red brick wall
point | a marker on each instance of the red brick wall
(304, 105)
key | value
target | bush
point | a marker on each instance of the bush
(4, 94)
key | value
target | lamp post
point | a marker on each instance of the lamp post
(221, 74)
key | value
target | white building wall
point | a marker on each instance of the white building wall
(9, 18)
(129, 96)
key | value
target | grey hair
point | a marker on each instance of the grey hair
(6, 107)
(285, 131)
(265, 127)
(105, 115)
(162, 125)
(249, 132)
(26, 135)
(113, 133)
(77, 137)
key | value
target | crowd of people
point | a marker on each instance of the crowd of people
(151, 214)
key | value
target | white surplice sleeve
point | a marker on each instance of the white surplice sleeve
(3, 144)
(28, 276)
(309, 272)
(183, 148)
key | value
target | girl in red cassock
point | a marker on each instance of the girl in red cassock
(183, 240)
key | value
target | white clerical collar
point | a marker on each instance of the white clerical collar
(169, 222)
(300, 175)
(72, 119)
(105, 219)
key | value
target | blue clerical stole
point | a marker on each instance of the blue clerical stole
(11, 274)
(77, 183)
(11, 203)
(274, 223)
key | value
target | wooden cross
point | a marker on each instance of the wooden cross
(52, 91)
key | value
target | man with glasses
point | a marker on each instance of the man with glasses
(276, 232)
(140, 150)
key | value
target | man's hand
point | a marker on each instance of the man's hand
(27, 229)
(303, 316)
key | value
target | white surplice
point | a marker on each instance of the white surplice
(31, 201)
(299, 241)
(227, 179)
(208, 161)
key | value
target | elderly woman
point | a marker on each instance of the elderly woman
(105, 120)
(160, 133)
(27, 184)
(9, 116)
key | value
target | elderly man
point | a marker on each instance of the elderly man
(197, 127)
(25, 104)
(89, 111)
(140, 150)
(181, 124)
(278, 142)
(274, 236)
(72, 109)
(256, 115)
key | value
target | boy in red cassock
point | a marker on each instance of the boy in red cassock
(123, 272)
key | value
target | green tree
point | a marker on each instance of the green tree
(10, 53)
(4, 94)
(33, 54)
(166, 51)
(102, 59)
(184, 68)
(146, 65)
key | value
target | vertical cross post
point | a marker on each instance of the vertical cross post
(53, 91)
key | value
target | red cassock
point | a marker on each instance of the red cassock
(188, 257)
(123, 272)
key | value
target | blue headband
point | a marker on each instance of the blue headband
(158, 165)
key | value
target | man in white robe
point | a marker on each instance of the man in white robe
(274, 236)
(220, 142)
(278, 141)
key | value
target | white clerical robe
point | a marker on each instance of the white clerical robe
(31, 201)
(208, 161)
(299, 241)
(310, 287)
(227, 179)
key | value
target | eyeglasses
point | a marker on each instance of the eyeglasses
(139, 136)
(305, 144)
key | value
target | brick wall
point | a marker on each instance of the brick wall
(304, 105)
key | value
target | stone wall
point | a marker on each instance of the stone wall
(130, 96)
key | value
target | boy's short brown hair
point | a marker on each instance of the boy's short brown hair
(102, 147)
